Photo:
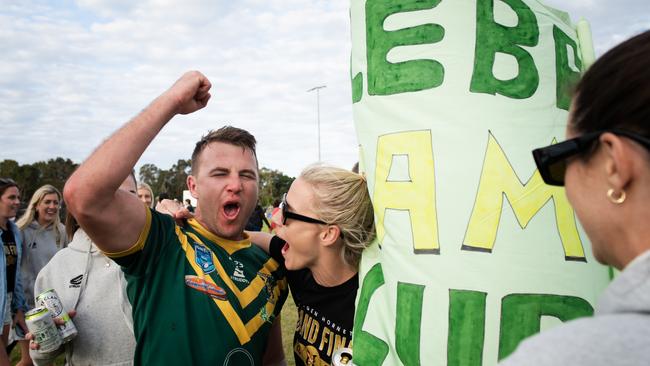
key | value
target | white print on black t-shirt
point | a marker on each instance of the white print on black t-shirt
(320, 333)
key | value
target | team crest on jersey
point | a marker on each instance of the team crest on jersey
(238, 273)
(204, 258)
(202, 285)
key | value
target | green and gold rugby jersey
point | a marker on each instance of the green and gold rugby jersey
(199, 299)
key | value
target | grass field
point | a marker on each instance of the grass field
(14, 357)
(289, 319)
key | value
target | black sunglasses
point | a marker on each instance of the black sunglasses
(551, 160)
(286, 214)
(4, 182)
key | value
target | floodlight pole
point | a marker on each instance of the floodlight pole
(317, 89)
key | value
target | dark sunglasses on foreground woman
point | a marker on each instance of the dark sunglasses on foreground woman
(551, 160)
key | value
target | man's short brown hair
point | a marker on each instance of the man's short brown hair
(227, 134)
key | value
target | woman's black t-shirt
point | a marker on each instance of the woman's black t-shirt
(11, 257)
(325, 314)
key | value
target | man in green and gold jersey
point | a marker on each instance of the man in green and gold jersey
(201, 293)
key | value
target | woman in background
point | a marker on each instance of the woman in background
(145, 194)
(605, 167)
(43, 236)
(11, 292)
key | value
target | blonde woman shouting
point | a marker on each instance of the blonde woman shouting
(324, 223)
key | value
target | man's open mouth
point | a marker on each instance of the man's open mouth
(231, 210)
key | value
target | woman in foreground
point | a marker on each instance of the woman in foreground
(605, 167)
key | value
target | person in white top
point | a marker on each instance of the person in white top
(92, 287)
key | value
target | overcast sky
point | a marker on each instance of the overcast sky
(72, 72)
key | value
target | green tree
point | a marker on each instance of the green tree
(170, 181)
(273, 184)
(55, 171)
(149, 174)
(9, 168)
(177, 178)
(29, 180)
(30, 177)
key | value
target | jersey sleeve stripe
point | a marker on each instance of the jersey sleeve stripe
(139, 245)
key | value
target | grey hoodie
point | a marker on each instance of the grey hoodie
(39, 246)
(617, 334)
(103, 320)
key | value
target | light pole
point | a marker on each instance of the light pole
(318, 88)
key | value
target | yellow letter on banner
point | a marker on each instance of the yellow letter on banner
(499, 178)
(415, 194)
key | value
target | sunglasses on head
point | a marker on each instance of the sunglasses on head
(551, 160)
(286, 214)
(7, 182)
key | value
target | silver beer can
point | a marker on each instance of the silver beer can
(342, 357)
(41, 324)
(51, 301)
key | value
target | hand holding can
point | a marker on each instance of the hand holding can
(35, 344)
(42, 329)
(51, 301)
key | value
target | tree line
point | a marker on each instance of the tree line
(172, 181)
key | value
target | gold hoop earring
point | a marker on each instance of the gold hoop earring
(617, 200)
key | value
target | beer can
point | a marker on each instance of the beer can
(41, 324)
(342, 357)
(51, 301)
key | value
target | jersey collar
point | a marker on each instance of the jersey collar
(230, 246)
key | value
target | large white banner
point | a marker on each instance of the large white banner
(474, 251)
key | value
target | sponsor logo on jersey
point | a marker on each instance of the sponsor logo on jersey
(200, 284)
(76, 281)
(238, 273)
(204, 258)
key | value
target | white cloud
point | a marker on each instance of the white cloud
(611, 22)
(70, 76)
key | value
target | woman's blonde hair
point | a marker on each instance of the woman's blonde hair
(342, 199)
(31, 213)
(143, 185)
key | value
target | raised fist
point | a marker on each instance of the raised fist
(190, 93)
